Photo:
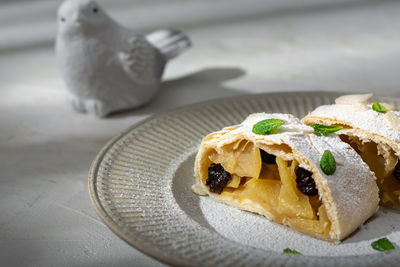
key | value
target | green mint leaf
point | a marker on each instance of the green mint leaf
(291, 251)
(379, 108)
(267, 126)
(382, 244)
(320, 129)
(328, 163)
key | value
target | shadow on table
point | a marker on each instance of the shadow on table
(188, 201)
(272, 12)
(263, 11)
(199, 86)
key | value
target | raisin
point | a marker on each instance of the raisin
(218, 178)
(305, 182)
(267, 158)
(396, 171)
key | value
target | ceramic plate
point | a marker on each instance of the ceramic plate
(140, 186)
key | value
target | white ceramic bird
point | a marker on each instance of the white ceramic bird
(107, 67)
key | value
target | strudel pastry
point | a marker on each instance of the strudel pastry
(373, 130)
(280, 174)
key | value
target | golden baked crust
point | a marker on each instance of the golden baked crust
(374, 135)
(348, 197)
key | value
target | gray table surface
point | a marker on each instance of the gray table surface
(46, 217)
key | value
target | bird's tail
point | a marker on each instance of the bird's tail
(171, 43)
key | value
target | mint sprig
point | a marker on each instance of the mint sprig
(267, 126)
(320, 129)
(382, 244)
(328, 163)
(291, 251)
(379, 108)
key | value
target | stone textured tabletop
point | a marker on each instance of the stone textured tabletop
(46, 217)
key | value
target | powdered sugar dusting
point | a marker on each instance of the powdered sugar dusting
(353, 99)
(367, 120)
(350, 194)
(254, 230)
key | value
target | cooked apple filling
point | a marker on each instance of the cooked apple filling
(383, 162)
(286, 191)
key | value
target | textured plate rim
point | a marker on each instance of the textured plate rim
(99, 207)
(92, 176)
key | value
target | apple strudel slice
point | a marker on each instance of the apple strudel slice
(273, 165)
(373, 130)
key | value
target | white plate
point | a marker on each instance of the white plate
(140, 186)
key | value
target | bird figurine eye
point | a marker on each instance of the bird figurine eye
(62, 19)
(95, 10)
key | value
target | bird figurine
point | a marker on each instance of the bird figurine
(107, 67)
